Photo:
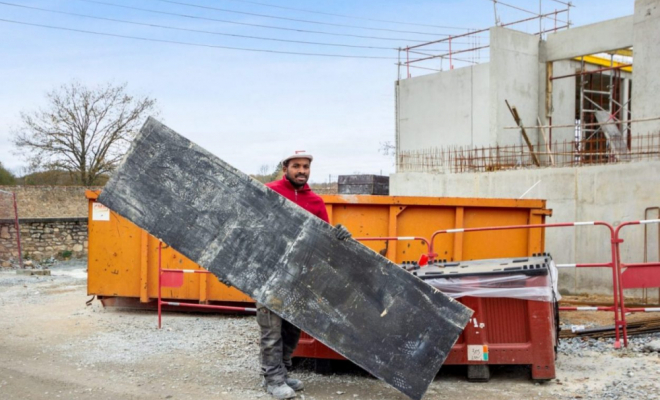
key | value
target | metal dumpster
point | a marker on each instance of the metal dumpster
(123, 267)
(515, 316)
(123, 259)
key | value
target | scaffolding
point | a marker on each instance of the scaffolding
(467, 48)
(603, 108)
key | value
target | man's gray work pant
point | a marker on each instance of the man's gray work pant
(278, 341)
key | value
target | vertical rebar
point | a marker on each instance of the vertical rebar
(540, 21)
(611, 87)
(407, 62)
(451, 65)
(398, 65)
(582, 98)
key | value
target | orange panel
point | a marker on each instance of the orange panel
(495, 244)
(423, 221)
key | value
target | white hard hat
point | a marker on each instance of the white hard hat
(298, 154)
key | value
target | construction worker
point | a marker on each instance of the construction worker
(279, 338)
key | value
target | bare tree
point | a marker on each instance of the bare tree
(266, 173)
(83, 130)
(264, 169)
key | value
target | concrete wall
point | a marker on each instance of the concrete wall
(611, 193)
(590, 39)
(444, 108)
(514, 64)
(646, 85)
(563, 100)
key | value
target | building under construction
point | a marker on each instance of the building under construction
(568, 114)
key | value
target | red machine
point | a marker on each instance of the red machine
(515, 317)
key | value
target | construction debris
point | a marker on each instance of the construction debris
(634, 328)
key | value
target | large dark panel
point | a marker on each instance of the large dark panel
(352, 299)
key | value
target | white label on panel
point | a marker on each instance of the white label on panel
(100, 212)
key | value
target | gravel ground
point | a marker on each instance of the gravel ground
(53, 346)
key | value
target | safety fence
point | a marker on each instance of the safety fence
(173, 278)
(635, 275)
(624, 275)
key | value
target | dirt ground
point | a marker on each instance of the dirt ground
(54, 346)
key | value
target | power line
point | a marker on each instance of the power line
(194, 30)
(250, 24)
(347, 16)
(204, 31)
(195, 44)
(181, 3)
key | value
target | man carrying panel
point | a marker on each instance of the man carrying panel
(279, 338)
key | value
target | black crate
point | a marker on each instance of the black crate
(364, 184)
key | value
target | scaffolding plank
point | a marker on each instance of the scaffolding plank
(347, 296)
(613, 135)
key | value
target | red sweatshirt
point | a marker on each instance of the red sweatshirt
(304, 197)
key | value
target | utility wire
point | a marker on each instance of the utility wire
(195, 44)
(204, 31)
(194, 30)
(347, 16)
(250, 24)
(181, 3)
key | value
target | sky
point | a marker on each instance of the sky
(249, 108)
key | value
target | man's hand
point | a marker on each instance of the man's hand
(341, 233)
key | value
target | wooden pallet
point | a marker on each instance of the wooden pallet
(347, 296)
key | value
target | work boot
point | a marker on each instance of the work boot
(280, 391)
(295, 384)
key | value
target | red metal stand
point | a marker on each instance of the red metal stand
(18, 232)
(634, 275)
(174, 278)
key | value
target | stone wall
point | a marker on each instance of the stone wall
(45, 201)
(53, 222)
(43, 238)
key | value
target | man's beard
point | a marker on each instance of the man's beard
(294, 183)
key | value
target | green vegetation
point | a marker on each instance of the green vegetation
(65, 254)
(56, 178)
(6, 177)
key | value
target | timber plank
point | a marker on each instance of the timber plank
(347, 296)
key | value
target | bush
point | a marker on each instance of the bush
(6, 177)
(65, 254)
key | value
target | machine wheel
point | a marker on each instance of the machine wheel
(322, 366)
(478, 373)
